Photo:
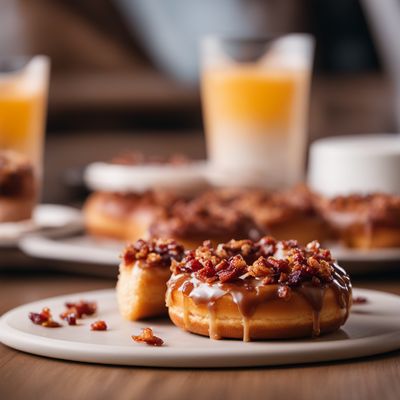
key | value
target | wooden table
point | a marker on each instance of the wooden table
(24, 376)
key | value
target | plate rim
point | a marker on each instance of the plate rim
(167, 356)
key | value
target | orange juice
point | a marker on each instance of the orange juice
(22, 110)
(255, 120)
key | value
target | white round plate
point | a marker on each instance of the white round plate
(84, 249)
(372, 328)
(79, 249)
(49, 217)
(363, 256)
(140, 178)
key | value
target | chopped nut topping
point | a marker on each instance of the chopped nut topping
(148, 337)
(154, 252)
(271, 261)
(98, 326)
(44, 318)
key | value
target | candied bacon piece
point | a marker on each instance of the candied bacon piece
(207, 273)
(129, 256)
(148, 337)
(224, 264)
(261, 268)
(70, 317)
(360, 300)
(155, 252)
(44, 318)
(290, 244)
(278, 264)
(235, 268)
(194, 265)
(98, 326)
(80, 308)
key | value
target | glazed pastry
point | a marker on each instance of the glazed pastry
(205, 217)
(17, 187)
(143, 274)
(285, 214)
(123, 216)
(258, 290)
(365, 222)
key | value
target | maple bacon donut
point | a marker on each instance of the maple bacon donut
(285, 214)
(123, 216)
(207, 216)
(258, 290)
(364, 221)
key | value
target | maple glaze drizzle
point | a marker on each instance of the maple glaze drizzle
(249, 294)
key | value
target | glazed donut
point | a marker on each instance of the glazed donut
(364, 221)
(285, 214)
(143, 274)
(17, 187)
(207, 216)
(123, 216)
(258, 290)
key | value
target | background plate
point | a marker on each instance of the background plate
(89, 251)
(372, 328)
(46, 218)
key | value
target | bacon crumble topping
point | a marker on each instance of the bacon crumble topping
(98, 326)
(148, 337)
(372, 208)
(268, 260)
(154, 252)
(44, 318)
(77, 310)
(205, 216)
(360, 300)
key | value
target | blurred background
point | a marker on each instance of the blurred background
(125, 72)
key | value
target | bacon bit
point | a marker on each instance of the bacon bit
(207, 273)
(79, 309)
(237, 266)
(154, 252)
(245, 258)
(148, 337)
(44, 318)
(70, 318)
(360, 300)
(98, 326)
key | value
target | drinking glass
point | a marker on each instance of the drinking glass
(255, 96)
(23, 99)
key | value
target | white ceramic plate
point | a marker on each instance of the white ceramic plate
(372, 328)
(364, 256)
(79, 249)
(140, 178)
(50, 217)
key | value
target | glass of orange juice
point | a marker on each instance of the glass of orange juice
(255, 102)
(23, 99)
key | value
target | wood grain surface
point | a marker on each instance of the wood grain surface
(24, 376)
